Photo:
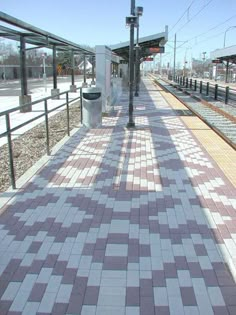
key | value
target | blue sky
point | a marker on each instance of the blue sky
(202, 23)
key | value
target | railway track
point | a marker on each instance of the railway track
(222, 122)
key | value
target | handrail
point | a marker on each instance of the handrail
(33, 103)
(46, 112)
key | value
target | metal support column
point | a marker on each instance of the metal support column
(227, 71)
(73, 86)
(54, 52)
(24, 98)
(23, 66)
(84, 83)
(137, 63)
(72, 68)
(55, 91)
(131, 123)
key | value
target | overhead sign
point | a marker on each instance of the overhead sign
(155, 50)
(217, 61)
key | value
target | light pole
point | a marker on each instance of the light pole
(229, 28)
(131, 21)
(138, 13)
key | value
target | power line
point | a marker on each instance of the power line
(187, 10)
(209, 30)
(195, 15)
(214, 27)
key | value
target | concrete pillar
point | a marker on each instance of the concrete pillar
(103, 75)
(73, 88)
(25, 99)
(54, 93)
(84, 84)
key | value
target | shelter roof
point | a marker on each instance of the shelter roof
(13, 28)
(225, 54)
(152, 41)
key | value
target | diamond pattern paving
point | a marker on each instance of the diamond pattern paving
(123, 222)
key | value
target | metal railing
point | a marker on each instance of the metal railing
(45, 114)
(225, 94)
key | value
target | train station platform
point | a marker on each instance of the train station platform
(125, 222)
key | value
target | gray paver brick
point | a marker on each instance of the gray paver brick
(20, 301)
(114, 211)
(44, 275)
(31, 308)
(47, 302)
(64, 293)
(11, 291)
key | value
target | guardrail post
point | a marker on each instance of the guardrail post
(183, 81)
(11, 162)
(200, 87)
(67, 113)
(226, 94)
(195, 85)
(207, 88)
(216, 91)
(46, 126)
(191, 83)
(81, 107)
(186, 82)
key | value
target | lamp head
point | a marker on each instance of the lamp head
(139, 11)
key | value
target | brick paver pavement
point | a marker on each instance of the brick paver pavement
(123, 222)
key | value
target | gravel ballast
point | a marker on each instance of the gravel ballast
(31, 146)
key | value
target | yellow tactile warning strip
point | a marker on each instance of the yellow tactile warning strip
(219, 150)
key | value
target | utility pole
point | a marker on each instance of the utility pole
(174, 56)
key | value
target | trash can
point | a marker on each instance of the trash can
(92, 106)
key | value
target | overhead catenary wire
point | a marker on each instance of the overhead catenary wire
(187, 10)
(195, 15)
(190, 19)
(213, 28)
(206, 32)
